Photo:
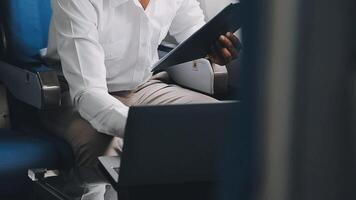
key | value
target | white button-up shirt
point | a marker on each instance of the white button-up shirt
(111, 45)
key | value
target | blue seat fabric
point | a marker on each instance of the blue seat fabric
(26, 24)
(19, 152)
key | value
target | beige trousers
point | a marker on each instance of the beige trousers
(88, 144)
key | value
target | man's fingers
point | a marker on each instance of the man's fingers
(235, 41)
(223, 52)
(228, 44)
(217, 54)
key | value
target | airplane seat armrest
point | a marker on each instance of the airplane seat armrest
(221, 79)
(37, 86)
(199, 75)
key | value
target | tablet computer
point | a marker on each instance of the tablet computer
(199, 44)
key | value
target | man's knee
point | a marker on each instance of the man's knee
(95, 145)
(87, 144)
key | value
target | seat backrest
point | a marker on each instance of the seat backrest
(26, 24)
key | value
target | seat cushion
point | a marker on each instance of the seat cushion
(19, 152)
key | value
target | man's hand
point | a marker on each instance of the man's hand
(225, 49)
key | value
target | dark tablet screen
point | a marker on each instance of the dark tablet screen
(198, 45)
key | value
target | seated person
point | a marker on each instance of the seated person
(107, 49)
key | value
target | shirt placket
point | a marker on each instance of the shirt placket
(143, 47)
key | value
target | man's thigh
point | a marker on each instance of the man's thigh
(87, 144)
(160, 90)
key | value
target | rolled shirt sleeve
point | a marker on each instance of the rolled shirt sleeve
(188, 20)
(83, 63)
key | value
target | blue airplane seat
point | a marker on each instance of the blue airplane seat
(26, 26)
(23, 32)
(19, 152)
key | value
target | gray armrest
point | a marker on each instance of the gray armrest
(188, 74)
(201, 76)
(197, 75)
(221, 79)
(38, 87)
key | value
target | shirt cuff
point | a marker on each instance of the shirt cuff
(104, 112)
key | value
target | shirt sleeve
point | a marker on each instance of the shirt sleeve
(188, 20)
(82, 59)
